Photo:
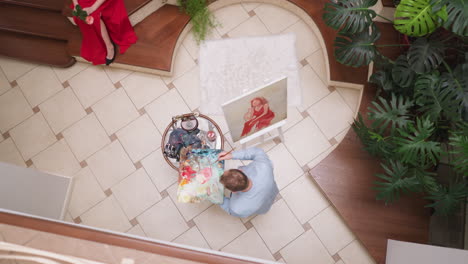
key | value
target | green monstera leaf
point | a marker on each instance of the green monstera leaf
(402, 73)
(436, 99)
(394, 113)
(351, 16)
(447, 200)
(356, 49)
(394, 181)
(415, 17)
(457, 12)
(415, 146)
(425, 55)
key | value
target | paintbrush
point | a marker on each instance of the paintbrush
(227, 153)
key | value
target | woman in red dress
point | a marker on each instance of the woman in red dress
(108, 26)
(259, 116)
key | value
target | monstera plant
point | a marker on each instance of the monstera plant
(419, 117)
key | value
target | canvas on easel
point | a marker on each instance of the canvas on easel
(257, 112)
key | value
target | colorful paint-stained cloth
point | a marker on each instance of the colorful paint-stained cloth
(199, 177)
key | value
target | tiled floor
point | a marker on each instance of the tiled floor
(103, 127)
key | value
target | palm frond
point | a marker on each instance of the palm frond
(436, 99)
(394, 113)
(374, 142)
(395, 180)
(447, 200)
(415, 146)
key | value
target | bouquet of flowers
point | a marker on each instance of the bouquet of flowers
(83, 15)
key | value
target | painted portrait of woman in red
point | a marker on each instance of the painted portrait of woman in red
(258, 116)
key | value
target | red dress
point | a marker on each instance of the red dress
(115, 17)
(263, 122)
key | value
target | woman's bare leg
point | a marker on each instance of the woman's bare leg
(107, 41)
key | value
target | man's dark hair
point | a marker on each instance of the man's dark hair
(234, 180)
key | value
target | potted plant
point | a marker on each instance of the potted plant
(419, 116)
(201, 17)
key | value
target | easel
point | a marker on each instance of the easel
(261, 135)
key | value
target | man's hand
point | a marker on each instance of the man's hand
(224, 156)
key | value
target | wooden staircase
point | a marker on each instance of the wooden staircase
(39, 31)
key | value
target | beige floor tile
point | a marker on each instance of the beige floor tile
(110, 165)
(319, 158)
(278, 227)
(355, 253)
(108, 215)
(68, 218)
(159, 171)
(165, 107)
(250, 6)
(64, 74)
(306, 249)
(14, 69)
(116, 74)
(332, 105)
(86, 136)
(188, 210)
(136, 193)
(14, 109)
(57, 159)
(191, 45)
(340, 262)
(140, 138)
(91, 85)
(275, 18)
(115, 111)
(192, 237)
(249, 244)
(351, 97)
(313, 88)
(317, 61)
(137, 231)
(331, 230)
(17, 235)
(286, 169)
(163, 221)
(62, 110)
(32, 136)
(10, 154)
(53, 243)
(304, 198)
(39, 84)
(4, 83)
(249, 28)
(294, 117)
(230, 17)
(188, 86)
(143, 88)
(182, 64)
(305, 141)
(218, 227)
(306, 41)
(86, 193)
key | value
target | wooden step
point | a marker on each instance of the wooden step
(131, 5)
(54, 5)
(36, 49)
(33, 21)
(157, 38)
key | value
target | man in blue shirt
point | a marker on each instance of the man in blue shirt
(253, 186)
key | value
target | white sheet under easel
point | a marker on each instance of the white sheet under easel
(232, 67)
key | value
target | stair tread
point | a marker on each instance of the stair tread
(157, 38)
(36, 49)
(33, 21)
(55, 5)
